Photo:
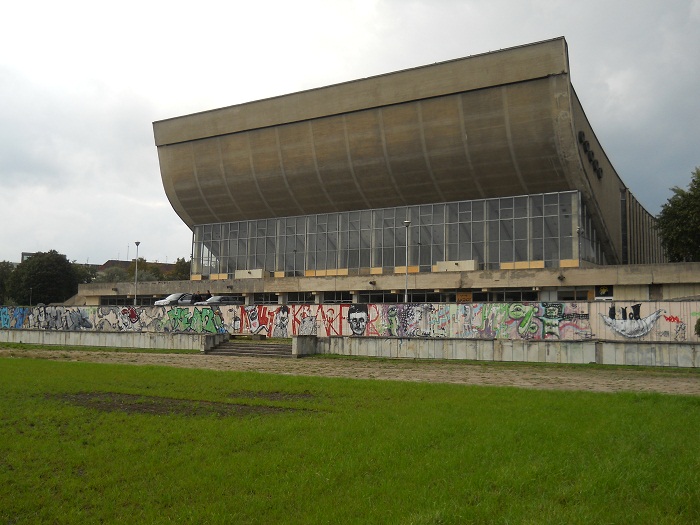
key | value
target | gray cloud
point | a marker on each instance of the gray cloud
(78, 166)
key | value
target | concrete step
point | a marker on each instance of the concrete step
(258, 349)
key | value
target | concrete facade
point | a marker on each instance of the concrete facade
(499, 124)
(626, 283)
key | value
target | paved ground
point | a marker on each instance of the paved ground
(662, 380)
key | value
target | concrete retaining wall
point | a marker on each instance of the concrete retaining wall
(568, 352)
(151, 340)
(571, 352)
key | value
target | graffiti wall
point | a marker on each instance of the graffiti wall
(649, 321)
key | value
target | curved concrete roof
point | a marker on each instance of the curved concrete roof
(491, 125)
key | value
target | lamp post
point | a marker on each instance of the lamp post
(136, 272)
(406, 223)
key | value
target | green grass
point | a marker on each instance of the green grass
(346, 451)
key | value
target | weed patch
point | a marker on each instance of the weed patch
(139, 404)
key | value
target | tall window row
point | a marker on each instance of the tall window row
(545, 227)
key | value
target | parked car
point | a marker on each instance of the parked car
(181, 299)
(219, 300)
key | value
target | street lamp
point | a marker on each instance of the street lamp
(136, 272)
(406, 223)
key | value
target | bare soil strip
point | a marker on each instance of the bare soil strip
(153, 405)
(518, 375)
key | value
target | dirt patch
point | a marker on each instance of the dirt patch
(153, 405)
(520, 375)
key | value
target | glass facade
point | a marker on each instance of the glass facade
(495, 233)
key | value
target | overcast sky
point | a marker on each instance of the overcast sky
(81, 83)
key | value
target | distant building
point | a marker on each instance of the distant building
(125, 265)
(28, 255)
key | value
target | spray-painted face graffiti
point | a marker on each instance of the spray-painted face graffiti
(253, 322)
(357, 318)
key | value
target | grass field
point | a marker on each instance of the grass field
(89, 443)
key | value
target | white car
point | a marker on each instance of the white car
(219, 300)
(181, 299)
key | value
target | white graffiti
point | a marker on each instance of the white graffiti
(633, 327)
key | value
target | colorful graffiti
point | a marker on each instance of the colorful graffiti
(651, 321)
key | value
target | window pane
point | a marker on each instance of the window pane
(537, 250)
(477, 232)
(537, 206)
(520, 207)
(492, 210)
(506, 251)
(537, 227)
(520, 229)
(465, 233)
(551, 227)
(506, 230)
(551, 249)
(452, 213)
(566, 248)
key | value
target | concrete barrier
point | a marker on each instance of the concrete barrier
(150, 340)
(304, 345)
(681, 355)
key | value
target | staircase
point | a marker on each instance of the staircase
(253, 348)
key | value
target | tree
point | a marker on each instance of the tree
(147, 271)
(6, 269)
(181, 272)
(678, 223)
(85, 273)
(112, 275)
(43, 278)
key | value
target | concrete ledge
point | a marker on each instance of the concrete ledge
(148, 340)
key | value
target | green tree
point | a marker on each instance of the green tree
(43, 278)
(85, 273)
(112, 275)
(147, 271)
(678, 223)
(6, 269)
(181, 272)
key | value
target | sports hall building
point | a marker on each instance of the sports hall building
(475, 179)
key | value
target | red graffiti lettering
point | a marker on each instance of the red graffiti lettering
(672, 319)
(331, 319)
(375, 318)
